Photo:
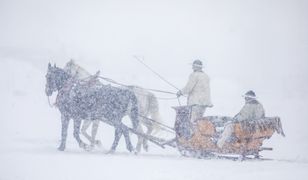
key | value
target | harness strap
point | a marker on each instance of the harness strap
(152, 120)
(154, 90)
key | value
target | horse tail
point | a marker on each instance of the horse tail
(134, 109)
(154, 113)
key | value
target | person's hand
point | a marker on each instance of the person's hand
(178, 94)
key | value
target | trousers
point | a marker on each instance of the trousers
(197, 112)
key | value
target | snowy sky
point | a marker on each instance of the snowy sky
(256, 44)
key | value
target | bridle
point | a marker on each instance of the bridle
(50, 105)
(65, 84)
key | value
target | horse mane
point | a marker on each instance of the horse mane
(60, 76)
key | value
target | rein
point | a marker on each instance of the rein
(153, 90)
(165, 127)
(124, 85)
(61, 91)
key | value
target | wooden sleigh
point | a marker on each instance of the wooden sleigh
(199, 139)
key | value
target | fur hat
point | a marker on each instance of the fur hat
(250, 94)
(197, 63)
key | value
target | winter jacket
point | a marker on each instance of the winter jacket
(252, 110)
(198, 89)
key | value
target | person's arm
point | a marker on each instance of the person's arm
(243, 114)
(261, 111)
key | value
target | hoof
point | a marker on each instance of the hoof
(98, 143)
(88, 148)
(134, 152)
(131, 149)
(138, 149)
(146, 148)
(85, 147)
(111, 151)
(61, 148)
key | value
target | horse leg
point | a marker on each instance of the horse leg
(156, 117)
(145, 142)
(154, 114)
(77, 123)
(65, 122)
(85, 126)
(94, 132)
(129, 145)
(117, 136)
(140, 139)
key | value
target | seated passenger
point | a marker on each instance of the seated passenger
(252, 110)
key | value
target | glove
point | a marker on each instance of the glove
(178, 94)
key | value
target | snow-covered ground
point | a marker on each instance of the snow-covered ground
(244, 45)
(30, 132)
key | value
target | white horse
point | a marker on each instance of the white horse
(76, 71)
(148, 108)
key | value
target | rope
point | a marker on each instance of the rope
(152, 120)
(179, 101)
(121, 84)
(112, 81)
(161, 98)
(154, 90)
(162, 78)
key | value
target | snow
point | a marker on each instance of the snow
(244, 45)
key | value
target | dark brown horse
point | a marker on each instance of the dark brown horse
(78, 101)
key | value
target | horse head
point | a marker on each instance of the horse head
(55, 79)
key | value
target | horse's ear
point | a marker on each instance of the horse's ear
(49, 65)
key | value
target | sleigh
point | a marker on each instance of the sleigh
(199, 139)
